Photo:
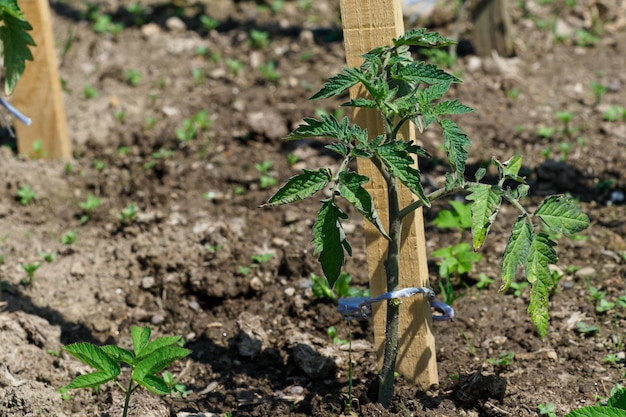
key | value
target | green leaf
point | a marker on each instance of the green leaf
(363, 103)
(338, 83)
(95, 357)
(338, 148)
(141, 337)
(512, 167)
(540, 254)
(450, 107)
(350, 188)
(158, 360)
(329, 127)
(431, 93)
(420, 72)
(618, 399)
(399, 161)
(455, 144)
(597, 411)
(118, 354)
(154, 384)
(92, 380)
(562, 215)
(328, 236)
(301, 187)
(419, 37)
(158, 344)
(15, 40)
(487, 199)
(460, 217)
(516, 251)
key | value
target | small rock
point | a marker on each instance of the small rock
(292, 216)
(256, 284)
(268, 123)
(290, 291)
(77, 270)
(150, 30)
(157, 319)
(313, 364)
(147, 283)
(194, 305)
(175, 24)
(251, 338)
(585, 272)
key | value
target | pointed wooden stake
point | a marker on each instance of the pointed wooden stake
(368, 24)
(38, 93)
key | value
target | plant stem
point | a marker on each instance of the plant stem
(128, 393)
(392, 267)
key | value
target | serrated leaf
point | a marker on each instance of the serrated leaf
(93, 356)
(91, 380)
(158, 360)
(485, 208)
(359, 152)
(562, 215)
(597, 411)
(329, 127)
(301, 187)
(157, 344)
(419, 37)
(363, 103)
(480, 173)
(450, 107)
(516, 251)
(16, 40)
(338, 148)
(118, 354)
(512, 167)
(420, 72)
(399, 162)
(327, 240)
(350, 188)
(432, 92)
(460, 217)
(618, 399)
(140, 337)
(540, 254)
(455, 144)
(338, 84)
(154, 384)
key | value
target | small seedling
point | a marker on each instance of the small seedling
(258, 39)
(38, 151)
(341, 289)
(459, 218)
(456, 260)
(234, 66)
(332, 333)
(89, 206)
(599, 90)
(612, 358)
(25, 195)
(69, 238)
(267, 178)
(30, 272)
(566, 118)
(546, 410)
(48, 257)
(483, 281)
(585, 38)
(268, 71)
(503, 360)
(208, 23)
(145, 361)
(133, 77)
(200, 122)
(545, 132)
(261, 259)
(586, 329)
(89, 92)
(128, 214)
(518, 288)
(614, 114)
(104, 24)
(123, 151)
(176, 388)
(99, 165)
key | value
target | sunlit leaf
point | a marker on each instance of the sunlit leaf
(158, 360)
(16, 40)
(329, 127)
(455, 144)
(301, 187)
(350, 188)
(140, 337)
(419, 37)
(400, 163)
(338, 83)
(421, 72)
(486, 202)
(92, 380)
(93, 356)
(597, 411)
(562, 215)
(540, 255)
(516, 251)
(450, 107)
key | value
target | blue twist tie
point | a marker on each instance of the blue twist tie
(360, 308)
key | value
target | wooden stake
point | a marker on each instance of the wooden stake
(38, 93)
(368, 24)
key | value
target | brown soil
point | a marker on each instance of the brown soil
(179, 266)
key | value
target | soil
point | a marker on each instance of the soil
(184, 265)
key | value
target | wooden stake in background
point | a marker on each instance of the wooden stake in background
(368, 24)
(38, 93)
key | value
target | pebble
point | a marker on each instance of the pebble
(256, 284)
(157, 319)
(587, 271)
(147, 283)
(175, 24)
(194, 305)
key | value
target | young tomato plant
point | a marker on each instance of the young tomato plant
(402, 89)
(146, 360)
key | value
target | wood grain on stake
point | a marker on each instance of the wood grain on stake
(368, 24)
(38, 93)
